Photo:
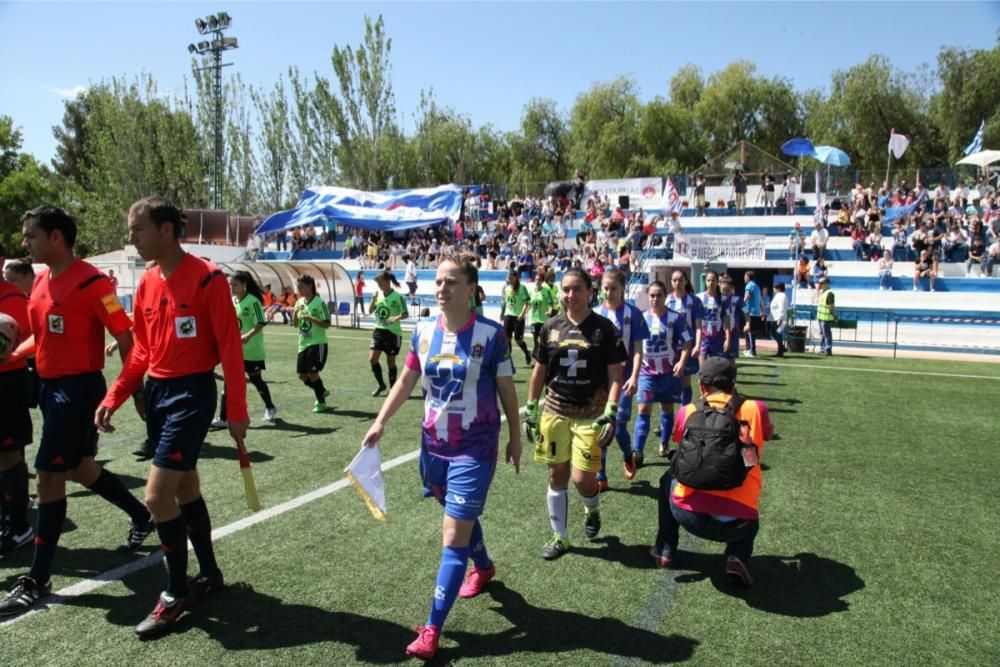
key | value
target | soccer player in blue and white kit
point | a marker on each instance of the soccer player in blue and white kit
(733, 307)
(665, 354)
(633, 329)
(682, 300)
(716, 329)
(465, 363)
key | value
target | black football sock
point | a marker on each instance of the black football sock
(393, 372)
(173, 542)
(110, 487)
(50, 522)
(258, 382)
(377, 372)
(14, 490)
(319, 389)
(199, 530)
(222, 406)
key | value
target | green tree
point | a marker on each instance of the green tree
(968, 95)
(24, 184)
(604, 124)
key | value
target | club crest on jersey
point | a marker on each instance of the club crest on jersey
(477, 351)
(597, 336)
(425, 345)
(56, 324)
(185, 327)
(553, 336)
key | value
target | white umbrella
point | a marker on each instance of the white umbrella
(981, 159)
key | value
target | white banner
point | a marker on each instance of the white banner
(642, 192)
(707, 247)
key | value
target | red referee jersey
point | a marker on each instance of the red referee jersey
(14, 302)
(184, 324)
(68, 315)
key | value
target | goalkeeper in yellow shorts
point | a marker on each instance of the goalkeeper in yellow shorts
(579, 358)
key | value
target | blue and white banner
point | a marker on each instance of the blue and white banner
(977, 141)
(899, 211)
(671, 199)
(382, 211)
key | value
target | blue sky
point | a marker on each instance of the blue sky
(484, 59)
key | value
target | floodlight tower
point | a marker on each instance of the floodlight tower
(215, 25)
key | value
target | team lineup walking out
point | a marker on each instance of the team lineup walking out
(579, 360)
(463, 363)
(389, 309)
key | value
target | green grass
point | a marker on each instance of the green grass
(876, 545)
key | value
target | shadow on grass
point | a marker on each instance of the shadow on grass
(129, 481)
(227, 452)
(641, 487)
(772, 399)
(804, 585)
(280, 424)
(79, 563)
(242, 619)
(554, 631)
(611, 548)
(744, 383)
(360, 414)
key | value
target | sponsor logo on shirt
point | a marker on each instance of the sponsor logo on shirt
(56, 324)
(185, 327)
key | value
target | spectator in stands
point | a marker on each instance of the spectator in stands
(875, 250)
(819, 271)
(923, 268)
(699, 195)
(859, 238)
(900, 244)
(956, 242)
(818, 239)
(791, 186)
(960, 196)
(885, 272)
(796, 241)
(802, 273)
(992, 258)
(977, 256)
(740, 187)
(768, 180)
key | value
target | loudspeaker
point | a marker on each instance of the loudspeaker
(623, 201)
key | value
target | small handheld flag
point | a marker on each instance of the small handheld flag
(898, 144)
(249, 485)
(365, 473)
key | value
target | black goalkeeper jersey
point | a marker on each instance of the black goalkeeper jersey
(577, 360)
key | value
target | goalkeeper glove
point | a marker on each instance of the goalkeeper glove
(531, 420)
(607, 423)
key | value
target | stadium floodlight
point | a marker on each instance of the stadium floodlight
(215, 25)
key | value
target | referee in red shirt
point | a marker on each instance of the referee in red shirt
(71, 305)
(184, 326)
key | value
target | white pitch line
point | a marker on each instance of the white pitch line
(93, 583)
(875, 370)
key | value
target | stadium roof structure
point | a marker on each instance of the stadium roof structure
(752, 159)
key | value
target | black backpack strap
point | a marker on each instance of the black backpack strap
(735, 403)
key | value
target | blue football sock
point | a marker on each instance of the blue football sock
(624, 440)
(641, 431)
(477, 548)
(686, 394)
(666, 425)
(602, 473)
(449, 580)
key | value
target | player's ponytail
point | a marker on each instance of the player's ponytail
(249, 283)
(387, 276)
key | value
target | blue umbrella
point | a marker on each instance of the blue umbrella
(832, 156)
(798, 147)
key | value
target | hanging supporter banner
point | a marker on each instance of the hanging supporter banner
(646, 193)
(705, 247)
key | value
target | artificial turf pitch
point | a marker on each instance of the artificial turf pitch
(877, 543)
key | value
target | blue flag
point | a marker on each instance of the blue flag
(899, 211)
(977, 141)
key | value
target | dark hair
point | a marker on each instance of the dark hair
(779, 287)
(749, 275)
(718, 289)
(160, 210)
(466, 266)
(515, 275)
(660, 284)
(248, 281)
(307, 280)
(387, 275)
(579, 273)
(51, 219)
(21, 267)
(617, 275)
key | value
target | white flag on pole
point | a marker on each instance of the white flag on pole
(898, 144)
(365, 473)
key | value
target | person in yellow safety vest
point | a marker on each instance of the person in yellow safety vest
(826, 313)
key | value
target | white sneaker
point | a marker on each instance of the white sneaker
(219, 423)
(916, 289)
(270, 414)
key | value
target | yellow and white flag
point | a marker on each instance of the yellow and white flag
(365, 473)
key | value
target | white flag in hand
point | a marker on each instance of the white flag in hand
(365, 473)
(898, 144)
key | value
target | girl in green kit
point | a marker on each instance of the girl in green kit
(389, 309)
(248, 300)
(312, 318)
